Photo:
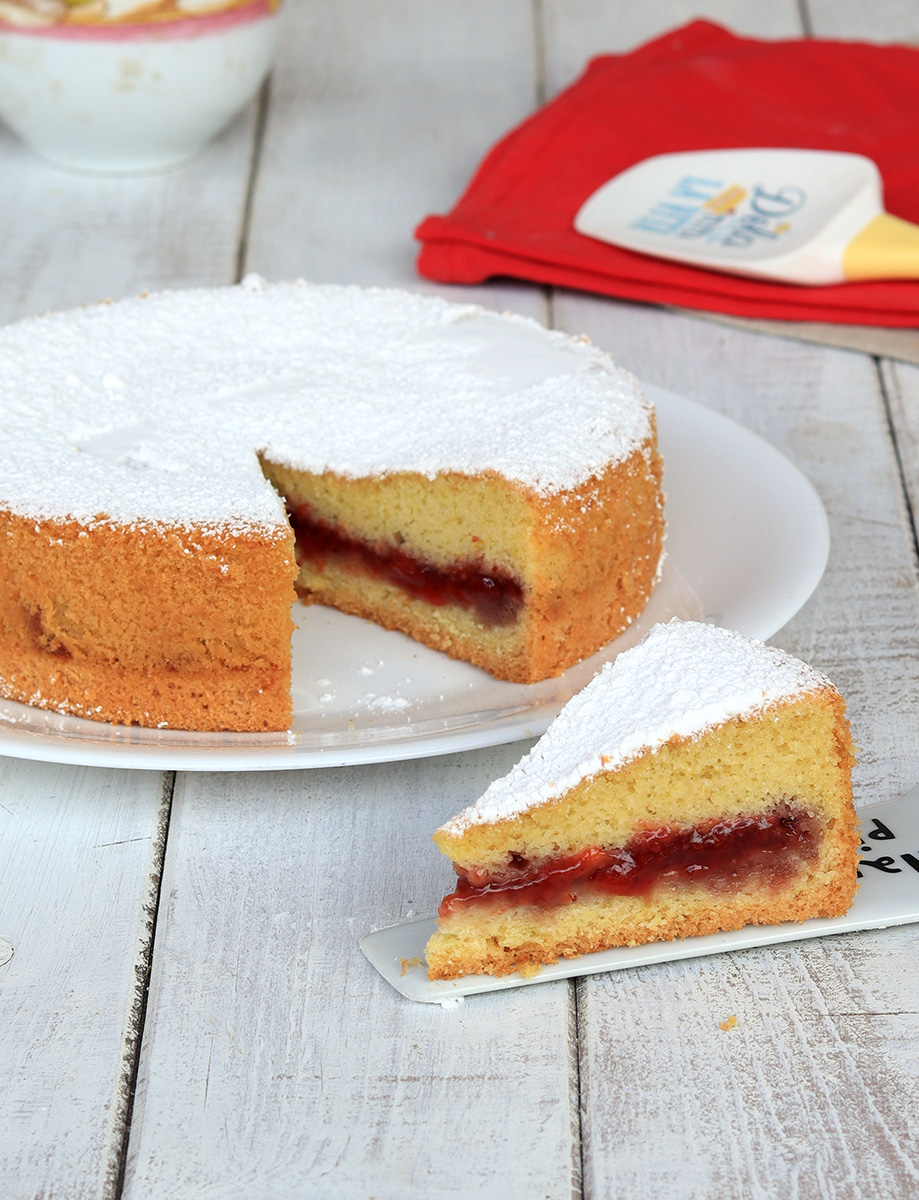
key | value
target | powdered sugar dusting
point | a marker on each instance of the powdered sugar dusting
(682, 679)
(153, 410)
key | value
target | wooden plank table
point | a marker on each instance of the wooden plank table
(186, 1012)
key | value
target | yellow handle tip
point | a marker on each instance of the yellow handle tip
(887, 248)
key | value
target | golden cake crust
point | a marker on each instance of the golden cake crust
(738, 766)
(798, 752)
(506, 942)
(139, 426)
(586, 558)
(170, 628)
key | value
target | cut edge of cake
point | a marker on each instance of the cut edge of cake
(482, 568)
(705, 811)
(91, 486)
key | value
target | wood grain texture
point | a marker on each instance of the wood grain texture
(381, 110)
(901, 389)
(880, 21)
(72, 239)
(576, 30)
(811, 1092)
(276, 1063)
(80, 850)
(763, 1114)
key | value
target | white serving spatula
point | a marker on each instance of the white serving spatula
(888, 894)
(798, 216)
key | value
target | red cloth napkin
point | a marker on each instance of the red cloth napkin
(698, 87)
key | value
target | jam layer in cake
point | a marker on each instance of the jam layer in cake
(701, 782)
(493, 489)
(768, 850)
(482, 568)
(492, 596)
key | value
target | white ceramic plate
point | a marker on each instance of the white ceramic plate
(747, 543)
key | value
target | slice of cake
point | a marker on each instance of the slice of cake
(701, 782)
(483, 484)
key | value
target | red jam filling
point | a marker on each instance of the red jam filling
(494, 597)
(763, 848)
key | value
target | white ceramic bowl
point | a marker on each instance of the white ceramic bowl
(89, 87)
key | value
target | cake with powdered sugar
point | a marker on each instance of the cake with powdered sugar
(177, 463)
(701, 782)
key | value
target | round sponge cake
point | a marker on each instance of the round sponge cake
(488, 486)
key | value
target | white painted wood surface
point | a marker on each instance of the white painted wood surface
(80, 850)
(274, 1063)
(73, 239)
(812, 1092)
(277, 1063)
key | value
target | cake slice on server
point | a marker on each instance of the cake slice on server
(701, 782)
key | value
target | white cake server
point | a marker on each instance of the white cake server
(798, 216)
(888, 894)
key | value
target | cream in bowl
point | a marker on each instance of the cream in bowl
(123, 86)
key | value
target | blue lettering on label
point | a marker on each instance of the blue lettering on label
(738, 230)
(748, 228)
(701, 226)
(783, 203)
(665, 218)
(692, 187)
